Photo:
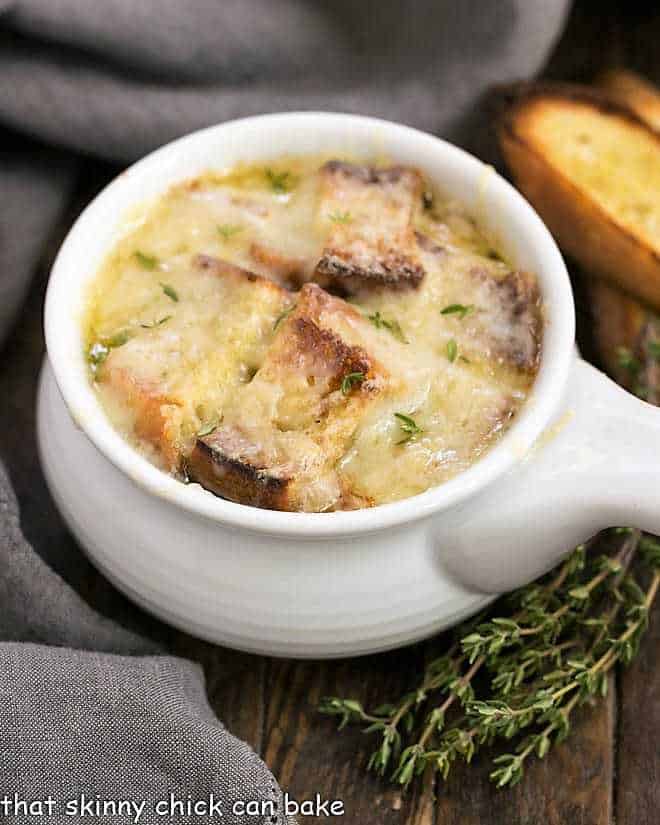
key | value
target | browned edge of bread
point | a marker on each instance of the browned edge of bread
(633, 91)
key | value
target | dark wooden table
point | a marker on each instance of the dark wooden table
(608, 771)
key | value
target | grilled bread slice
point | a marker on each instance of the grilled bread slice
(592, 170)
(625, 331)
(635, 92)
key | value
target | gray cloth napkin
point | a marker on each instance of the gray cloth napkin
(86, 705)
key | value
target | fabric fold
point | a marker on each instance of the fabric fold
(88, 707)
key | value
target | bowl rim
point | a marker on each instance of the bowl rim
(83, 405)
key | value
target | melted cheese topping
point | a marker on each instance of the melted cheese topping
(173, 347)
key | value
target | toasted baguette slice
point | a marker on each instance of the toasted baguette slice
(624, 329)
(592, 170)
(635, 92)
(627, 337)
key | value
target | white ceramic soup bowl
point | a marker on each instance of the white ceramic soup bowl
(581, 455)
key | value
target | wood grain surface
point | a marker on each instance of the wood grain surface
(609, 769)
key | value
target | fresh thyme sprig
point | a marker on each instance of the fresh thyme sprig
(519, 672)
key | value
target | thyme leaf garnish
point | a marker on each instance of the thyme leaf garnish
(283, 316)
(171, 293)
(391, 325)
(408, 426)
(452, 350)
(100, 349)
(146, 261)
(627, 360)
(158, 323)
(208, 428)
(654, 350)
(340, 217)
(350, 380)
(458, 309)
(280, 182)
(228, 230)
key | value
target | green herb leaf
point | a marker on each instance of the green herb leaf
(458, 309)
(97, 353)
(100, 349)
(408, 426)
(208, 428)
(282, 316)
(654, 350)
(627, 360)
(280, 182)
(170, 292)
(228, 230)
(452, 350)
(340, 217)
(146, 261)
(159, 322)
(116, 340)
(391, 326)
(349, 381)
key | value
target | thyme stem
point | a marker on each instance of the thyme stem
(547, 653)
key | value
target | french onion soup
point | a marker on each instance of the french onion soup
(311, 335)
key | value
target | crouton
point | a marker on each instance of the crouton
(371, 241)
(311, 390)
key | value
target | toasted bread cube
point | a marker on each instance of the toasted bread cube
(155, 416)
(312, 388)
(236, 275)
(371, 241)
(228, 463)
(505, 321)
(510, 321)
(143, 372)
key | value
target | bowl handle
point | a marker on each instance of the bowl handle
(597, 466)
